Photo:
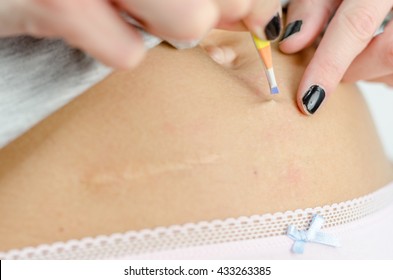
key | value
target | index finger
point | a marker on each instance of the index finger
(349, 32)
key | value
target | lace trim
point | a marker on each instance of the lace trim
(206, 233)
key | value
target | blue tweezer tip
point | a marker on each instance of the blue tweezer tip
(274, 90)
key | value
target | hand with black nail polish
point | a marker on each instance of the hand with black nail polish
(98, 28)
(350, 49)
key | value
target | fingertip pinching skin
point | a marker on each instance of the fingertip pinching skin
(291, 29)
(273, 28)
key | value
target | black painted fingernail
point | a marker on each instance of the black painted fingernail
(273, 29)
(292, 28)
(313, 99)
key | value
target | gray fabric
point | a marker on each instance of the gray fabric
(37, 77)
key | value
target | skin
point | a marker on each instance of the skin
(348, 50)
(97, 27)
(186, 139)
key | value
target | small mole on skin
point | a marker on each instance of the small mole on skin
(61, 229)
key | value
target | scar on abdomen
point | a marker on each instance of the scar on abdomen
(170, 167)
(150, 170)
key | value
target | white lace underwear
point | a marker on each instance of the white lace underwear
(364, 227)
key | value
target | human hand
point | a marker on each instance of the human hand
(345, 50)
(97, 27)
(375, 63)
